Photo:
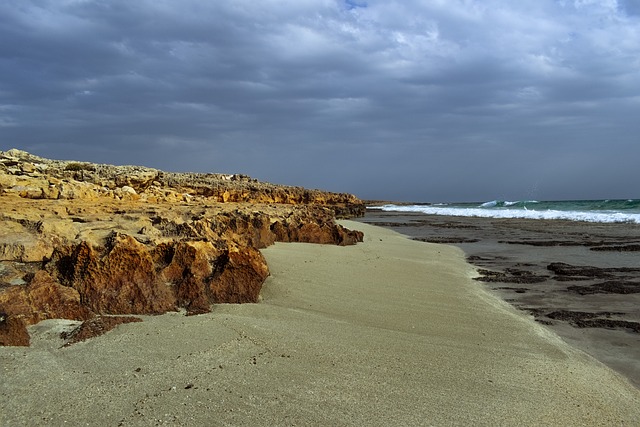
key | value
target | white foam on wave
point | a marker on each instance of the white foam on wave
(604, 217)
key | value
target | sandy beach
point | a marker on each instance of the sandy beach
(388, 332)
(579, 279)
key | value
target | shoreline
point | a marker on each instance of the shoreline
(594, 308)
(389, 331)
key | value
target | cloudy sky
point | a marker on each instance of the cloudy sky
(416, 100)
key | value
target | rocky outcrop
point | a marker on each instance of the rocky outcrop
(34, 177)
(79, 240)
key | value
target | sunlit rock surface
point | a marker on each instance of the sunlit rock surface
(80, 240)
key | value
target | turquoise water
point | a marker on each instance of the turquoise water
(605, 211)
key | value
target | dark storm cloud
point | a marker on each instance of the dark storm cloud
(439, 100)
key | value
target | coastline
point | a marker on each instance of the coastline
(79, 240)
(389, 331)
(594, 308)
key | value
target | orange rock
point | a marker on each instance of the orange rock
(95, 327)
(13, 331)
(79, 240)
(117, 279)
(189, 271)
(43, 298)
(239, 277)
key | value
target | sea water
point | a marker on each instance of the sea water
(605, 211)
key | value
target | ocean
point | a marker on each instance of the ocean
(602, 211)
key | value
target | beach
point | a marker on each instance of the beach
(390, 331)
(580, 279)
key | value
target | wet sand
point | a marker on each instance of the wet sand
(595, 307)
(387, 332)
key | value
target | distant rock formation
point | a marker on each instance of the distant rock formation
(80, 240)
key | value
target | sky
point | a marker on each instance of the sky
(411, 100)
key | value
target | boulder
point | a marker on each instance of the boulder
(117, 279)
(13, 331)
(239, 276)
(43, 298)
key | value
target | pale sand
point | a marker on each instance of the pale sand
(388, 332)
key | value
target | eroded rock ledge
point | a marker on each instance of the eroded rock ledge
(79, 240)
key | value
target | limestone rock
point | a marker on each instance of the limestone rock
(137, 180)
(43, 298)
(190, 268)
(80, 240)
(24, 247)
(79, 190)
(13, 331)
(239, 277)
(95, 327)
(88, 181)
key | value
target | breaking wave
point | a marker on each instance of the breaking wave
(603, 211)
